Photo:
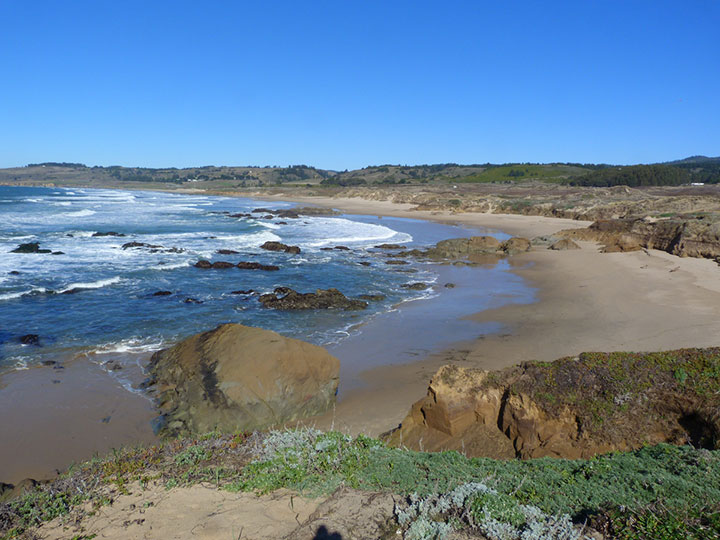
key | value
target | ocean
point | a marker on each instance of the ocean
(93, 296)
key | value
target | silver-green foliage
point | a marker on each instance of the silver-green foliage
(495, 515)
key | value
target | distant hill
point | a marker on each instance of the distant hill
(692, 169)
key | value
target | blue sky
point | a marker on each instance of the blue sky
(346, 84)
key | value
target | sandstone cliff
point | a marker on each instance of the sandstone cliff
(573, 407)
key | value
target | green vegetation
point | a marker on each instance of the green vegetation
(556, 172)
(654, 492)
(634, 176)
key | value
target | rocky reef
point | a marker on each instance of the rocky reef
(238, 378)
(289, 299)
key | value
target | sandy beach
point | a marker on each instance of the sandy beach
(586, 300)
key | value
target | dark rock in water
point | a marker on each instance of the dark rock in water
(326, 249)
(415, 286)
(261, 211)
(395, 261)
(315, 211)
(257, 266)
(222, 265)
(372, 297)
(14, 273)
(30, 339)
(109, 233)
(70, 235)
(241, 215)
(342, 248)
(449, 285)
(192, 301)
(279, 246)
(281, 223)
(249, 291)
(365, 263)
(407, 270)
(30, 247)
(74, 290)
(49, 362)
(320, 299)
(287, 214)
(113, 366)
(269, 216)
(238, 378)
(140, 245)
(203, 264)
(227, 252)
(390, 246)
(58, 253)
(162, 293)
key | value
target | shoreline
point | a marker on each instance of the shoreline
(646, 300)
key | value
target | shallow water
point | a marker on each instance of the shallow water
(112, 308)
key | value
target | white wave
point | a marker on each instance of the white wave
(62, 203)
(269, 225)
(18, 294)
(20, 363)
(81, 234)
(91, 285)
(131, 345)
(81, 213)
(170, 266)
(33, 200)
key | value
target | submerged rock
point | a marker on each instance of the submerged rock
(30, 247)
(279, 246)
(415, 286)
(257, 266)
(286, 298)
(237, 378)
(30, 339)
(162, 293)
(108, 233)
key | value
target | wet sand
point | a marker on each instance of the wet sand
(50, 418)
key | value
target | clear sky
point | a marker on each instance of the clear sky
(345, 84)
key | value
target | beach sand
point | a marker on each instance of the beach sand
(586, 301)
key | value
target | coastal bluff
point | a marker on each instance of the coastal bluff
(237, 378)
(574, 407)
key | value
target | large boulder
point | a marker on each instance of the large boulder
(240, 378)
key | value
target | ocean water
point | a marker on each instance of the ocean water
(112, 308)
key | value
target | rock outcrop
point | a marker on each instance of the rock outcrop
(30, 247)
(240, 378)
(570, 408)
(473, 249)
(279, 246)
(563, 244)
(697, 237)
(289, 299)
